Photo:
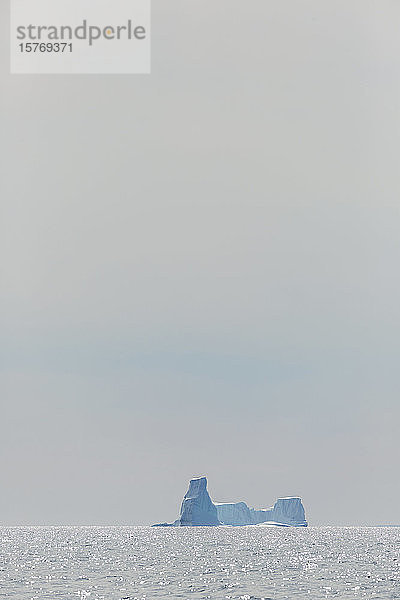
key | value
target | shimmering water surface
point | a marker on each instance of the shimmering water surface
(246, 563)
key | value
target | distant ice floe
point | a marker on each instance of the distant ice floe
(198, 509)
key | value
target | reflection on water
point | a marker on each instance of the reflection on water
(249, 563)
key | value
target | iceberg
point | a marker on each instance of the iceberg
(234, 513)
(197, 509)
(286, 511)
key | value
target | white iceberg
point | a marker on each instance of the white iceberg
(198, 509)
(234, 513)
(286, 511)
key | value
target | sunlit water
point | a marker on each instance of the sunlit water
(249, 563)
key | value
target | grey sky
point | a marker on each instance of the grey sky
(199, 270)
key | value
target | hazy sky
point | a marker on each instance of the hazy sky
(199, 269)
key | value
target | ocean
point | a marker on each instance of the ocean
(222, 563)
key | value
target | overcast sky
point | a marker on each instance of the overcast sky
(199, 270)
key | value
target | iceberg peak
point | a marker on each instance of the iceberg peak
(197, 507)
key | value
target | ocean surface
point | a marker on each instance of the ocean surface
(248, 563)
